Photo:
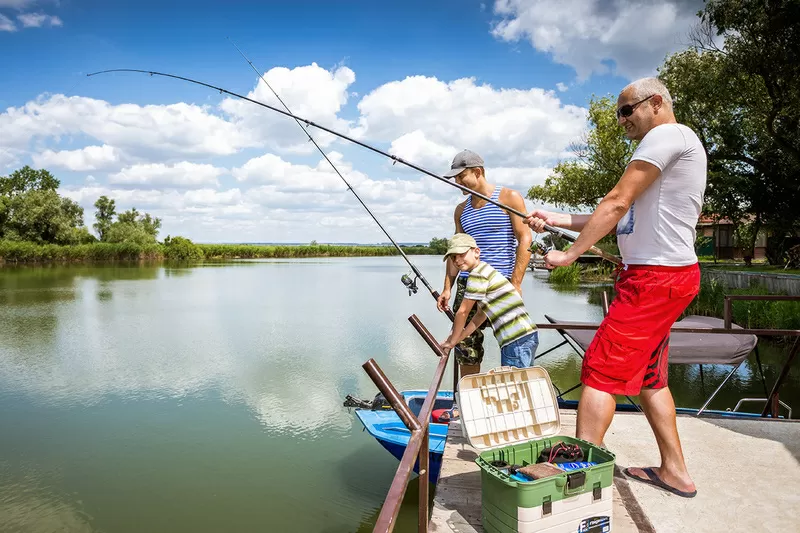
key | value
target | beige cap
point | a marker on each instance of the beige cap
(459, 243)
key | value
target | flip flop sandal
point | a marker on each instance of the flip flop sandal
(656, 482)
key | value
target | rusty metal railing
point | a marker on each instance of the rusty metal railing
(418, 446)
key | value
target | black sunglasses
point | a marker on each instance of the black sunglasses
(627, 109)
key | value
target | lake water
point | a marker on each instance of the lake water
(209, 398)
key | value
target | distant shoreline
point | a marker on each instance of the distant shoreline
(21, 253)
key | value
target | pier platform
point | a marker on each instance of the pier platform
(747, 474)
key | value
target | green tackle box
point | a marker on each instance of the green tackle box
(510, 415)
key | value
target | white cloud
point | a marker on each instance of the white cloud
(311, 92)
(429, 121)
(271, 169)
(211, 197)
(124, 198)
(6, 24)
(7, 158)
(151, 132)
(173, 132)
(585, 34)
(520, 179)
(37, 20)
(89, 158)
(16, 4)
(562, 86)
(417, 148)
(180, 175)
(163, 203)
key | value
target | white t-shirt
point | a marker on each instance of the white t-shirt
(659, 228)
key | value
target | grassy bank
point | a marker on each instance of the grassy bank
(26, 252)
(577, 273)
(710, 302)
(246, 251)
(13, 252)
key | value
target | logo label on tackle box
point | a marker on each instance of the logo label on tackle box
(595, 524)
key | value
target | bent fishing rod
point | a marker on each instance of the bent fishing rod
(410, 284)
(395, 159)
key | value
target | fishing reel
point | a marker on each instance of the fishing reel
(541, 248)
(411, 284)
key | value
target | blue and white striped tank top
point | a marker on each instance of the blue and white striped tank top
(491, 228)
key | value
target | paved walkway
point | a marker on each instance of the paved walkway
(747, 473)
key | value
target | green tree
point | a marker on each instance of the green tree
(130, 216)
(129, 232)
(42, 216)
(601, 158)
(32, 210)
(133, 226)
(438, 245)
(762, 41)
(106, 209)
(5, 213)
(27, 179)
(151, 225)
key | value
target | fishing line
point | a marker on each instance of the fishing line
(410, 284)
(395, 159)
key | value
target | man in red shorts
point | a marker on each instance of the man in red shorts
(654, 208)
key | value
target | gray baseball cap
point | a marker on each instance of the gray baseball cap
(463, 160)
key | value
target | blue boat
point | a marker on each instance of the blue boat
(384, 424)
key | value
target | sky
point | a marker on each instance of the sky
(510, 80)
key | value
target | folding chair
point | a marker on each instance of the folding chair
(684, 348)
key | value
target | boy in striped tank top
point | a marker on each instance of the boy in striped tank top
(497, 300)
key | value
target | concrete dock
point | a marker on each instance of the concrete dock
(747, 474)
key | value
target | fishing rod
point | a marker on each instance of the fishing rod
(395, 159)
(411, 284)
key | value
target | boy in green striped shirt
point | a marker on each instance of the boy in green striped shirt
(497, 300)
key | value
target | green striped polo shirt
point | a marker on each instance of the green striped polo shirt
(501, 302)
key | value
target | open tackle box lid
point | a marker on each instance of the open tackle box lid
(506, 406)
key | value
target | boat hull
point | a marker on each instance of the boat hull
(387, 428)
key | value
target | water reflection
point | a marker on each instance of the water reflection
(30, 504)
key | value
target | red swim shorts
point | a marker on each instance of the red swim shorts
(631, 346)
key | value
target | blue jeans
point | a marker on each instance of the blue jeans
(521, 352)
